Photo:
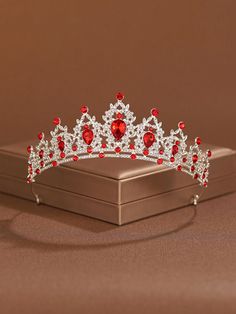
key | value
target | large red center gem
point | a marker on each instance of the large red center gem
(118, 128)
(148, 139)
(87, 136)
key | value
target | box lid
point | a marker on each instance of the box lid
(113, 180)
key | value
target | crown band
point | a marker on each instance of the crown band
(119, 137)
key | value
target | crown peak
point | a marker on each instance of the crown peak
(120, 96)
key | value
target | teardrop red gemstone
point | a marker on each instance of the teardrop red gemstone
(61, 146)
(148, 139)
(88, 136)
(118, 128)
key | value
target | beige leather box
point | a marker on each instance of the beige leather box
(114, 190)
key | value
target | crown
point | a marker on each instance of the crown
(119, 137)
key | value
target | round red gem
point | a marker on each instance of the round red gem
(209, 154)
(120, 96)
(195, 158)
(118, 150)
(41, 153)
(84, 109)
(62, 155)
(175, 149)
(161, 151)
(133, 156)
(56, 121)
(198, 141)
(148, 139)
(181, 125)
(104, 145)
(61, 145)
(203, 176)
(75, 158)
(155, 112)
(159, 161)
(195, 176)
(89, 150)
(50, 155)
(88, 136)
(177, 142)
(74, 147)
(41, 163)
(40, 136)
(184, 159)
(37, 171)
(118, 128)
(59, 138)
(101, 155)
(131, 146)
(54, 163)
(29, 149)
(145, 152)
(192, 168)
(205, 184)
(172, 159)
(119, 115)
(179, 168)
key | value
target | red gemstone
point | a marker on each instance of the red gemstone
(195, 158)
(74, 147)
(29, 149)
(177, 142)
(118, 150)
(175, 149)
(61, 145)
(133, 156)
(86, 126)
(54, 163)
(184, 159)
(198, 141)
(145, 152)
(62, 155)
(148, 139)
(84, 109)
(89, 150)
(37, 171)
(120, 96)
(161, 151)
(179, 168)
(101, 155)
(181, 125)
(205, 184)
(41, 153)
(41, 163)
(195, 176)
(59, 138)
(203, 176)
(75, 158)
(40, 136)
(118, 128)
(119, 115)
(104, 145)
(131, 146)
(159, 161)
(56, 121)
(209, 153)
(172, 159)
(51, 155)
(192, 168)
(155, 112)
(88, 136)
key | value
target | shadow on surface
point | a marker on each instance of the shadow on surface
(45, 228)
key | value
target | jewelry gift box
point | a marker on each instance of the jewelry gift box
(114, 190)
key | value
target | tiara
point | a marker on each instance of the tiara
(119, 137)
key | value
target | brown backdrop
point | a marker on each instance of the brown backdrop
(56, 55)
